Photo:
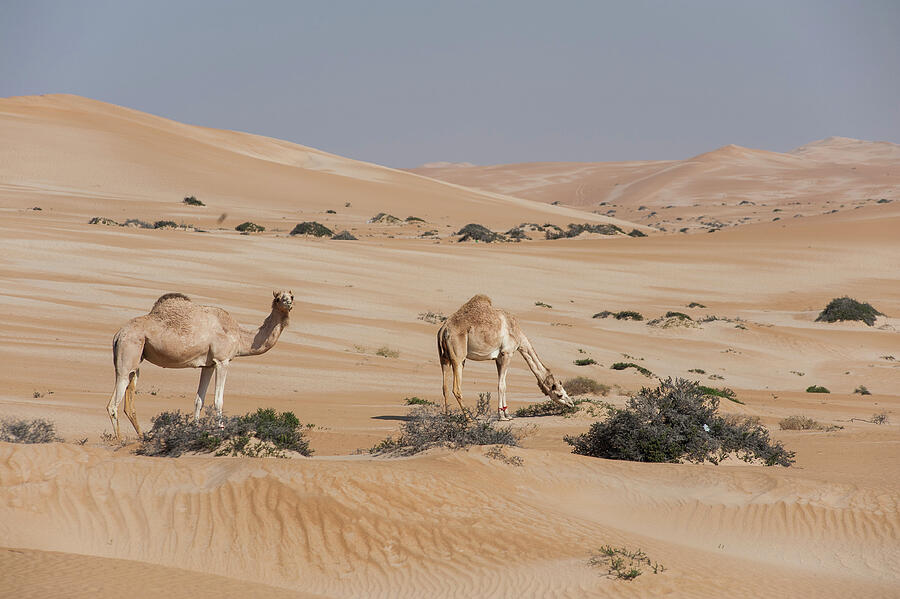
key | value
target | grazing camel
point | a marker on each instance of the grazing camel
(478, 331)
(177, 333)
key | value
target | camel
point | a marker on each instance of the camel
(478, 331)
(177, 333)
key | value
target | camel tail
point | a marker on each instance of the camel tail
(442, 337)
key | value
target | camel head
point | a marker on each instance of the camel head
(553, 389)
(284, 300)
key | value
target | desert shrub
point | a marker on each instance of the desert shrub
(496, 453)
(624, 365)
(695, 305)
(385, 218)
(637, 233)
(432, 317)
(312, 228)
(697, 370)
(624, 564)
(629, 315)
(248, 227)
(20, 430)
(138, 223)
(548, 407)
(517, 234)
(192, 201)
(543, 305)
(385, 352)
(476, 232)
(817, 389)
(604, 314)
(330, 211)
(165, 224)
(584, 385)
(102, 220)
(428, 426)
(675, 422)
(845, 308)
(264, 433)
(418, 401)
(585, 361)
(880, 418)
(344, 236)
(680, 315)
(575, 230)
(861, 390)
(414, 219)
(724, 393)
(799, 423)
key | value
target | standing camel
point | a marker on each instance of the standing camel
(478, 331)
(177, 333)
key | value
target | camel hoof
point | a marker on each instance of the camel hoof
(504, 416)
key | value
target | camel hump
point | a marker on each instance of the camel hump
(477, 311)
(479, 299)
(168, 298)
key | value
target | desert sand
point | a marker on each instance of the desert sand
(85, 517)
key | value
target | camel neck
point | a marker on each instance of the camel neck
(254, 343)
(531, 358)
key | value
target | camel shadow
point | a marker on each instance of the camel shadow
(389, 417)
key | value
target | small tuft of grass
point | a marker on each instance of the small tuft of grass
(427, 427)
(192, 201)
(264, 433)
(432, 317)
(585, 361)
(817, 389)
(846, 308)
(680, 315)
(20, 430)
(697, 370)
(496, 453)
(385, 352)
(418, 401)
(248, 227)
(880, 418)
(861, 390)
(604, 314)
(414, 219)
(584, 385)
(549, 407)
(695, 305)
(623, 564)
(624, 365)
(799, 423)
(542, 304)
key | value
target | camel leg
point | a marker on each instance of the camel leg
(129, 402)
(457, 384)
(122, 381)
(447, 374)
(502, 361)
(221, 372)
(205, 376)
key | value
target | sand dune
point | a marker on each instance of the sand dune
(729, 186)
(84, 517)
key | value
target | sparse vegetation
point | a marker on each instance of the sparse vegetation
(344, 236)
(585, 361)
(264, 433)
(543, 305)
(861, 390)
(476, 232)
(414, 219)
(575, 230)
(799, 423)
(248, 227)
(637, 233)
(623, 564)
(192, 201)
(846, 308)
(817, 389)
(584, 385)
(680, 315)
(623, 315)
(496, 453)
(418, 401)
(385, 218)
(432, 317)
(312, 228)
(695, 305)
(385, 352)
(675, 422)
(624, 365)
(427, 427)
(880, 418)
(724, 393)
(102, 220)
(697, 370)
(548, 407)
(35, 430)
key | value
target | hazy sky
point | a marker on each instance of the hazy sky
(403, 83)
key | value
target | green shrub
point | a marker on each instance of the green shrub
(585, 361)
(799, 423)
(817, 389)
(680, 315)
(629, 315)
(583, 385)
(248, 227)
(675, 422)
(418, 401)
(624, 564)
(165, 224)
(697, 370)
(385, 218)
(637, 233)
(624, 365)
(575, 230)
(263, 433)
(192, 201)
(414, 219)
(845, 308)
(542, 304)
(724, 393)
(604, 314)
(861, 390)
(428, 426)
(476, 232)
(102, 220)
(695, 305)
(344, 236)
(312, 228)
(36, 430)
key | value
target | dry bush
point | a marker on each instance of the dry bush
(20, 430)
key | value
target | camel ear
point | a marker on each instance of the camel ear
(274, 294)
(291, 291)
